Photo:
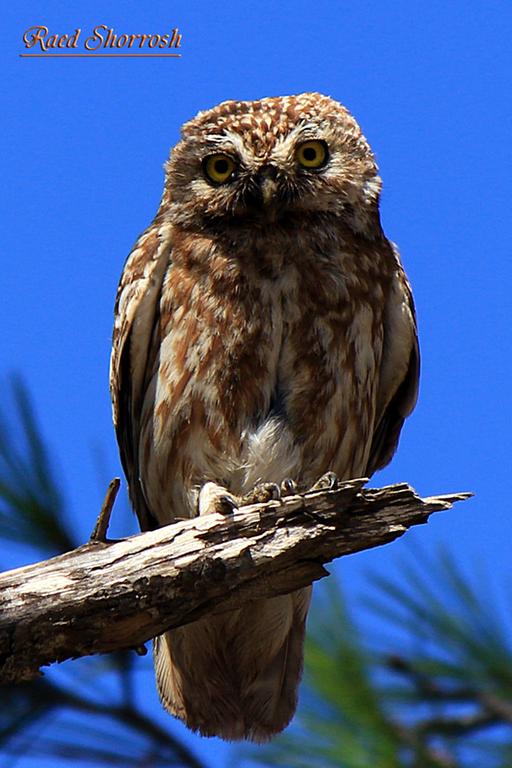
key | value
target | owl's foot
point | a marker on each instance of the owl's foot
(261, 493)
(328, 482)
(216, 498)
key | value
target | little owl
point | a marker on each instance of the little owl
(264, 336)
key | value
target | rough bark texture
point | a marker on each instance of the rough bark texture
(105, 596)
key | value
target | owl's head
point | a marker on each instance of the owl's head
(256, 162)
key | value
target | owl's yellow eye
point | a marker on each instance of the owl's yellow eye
(312, 154)
(218, 168)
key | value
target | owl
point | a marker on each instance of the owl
(264, 335)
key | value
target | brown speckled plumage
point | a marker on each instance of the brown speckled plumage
(257, 339)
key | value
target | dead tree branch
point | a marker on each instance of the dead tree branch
(106, 596)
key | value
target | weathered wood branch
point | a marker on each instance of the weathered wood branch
(105, 596)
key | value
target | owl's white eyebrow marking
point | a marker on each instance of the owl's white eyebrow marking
(304, 132)
(228, 140)
(285, 145)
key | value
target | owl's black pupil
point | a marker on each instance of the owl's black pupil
(221, 166)
(309, 153)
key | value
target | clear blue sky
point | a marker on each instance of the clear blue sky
(83, 146)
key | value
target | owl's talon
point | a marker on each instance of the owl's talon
(216, 498)
(288, 487)
(227, 504)
(328, 482)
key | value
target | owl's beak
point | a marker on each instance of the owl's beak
(267, 176)
(268, 190)
(263, 191)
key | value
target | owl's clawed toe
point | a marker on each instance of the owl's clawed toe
(216, 498)
(261, 493)
(289, 487)
(328, 482)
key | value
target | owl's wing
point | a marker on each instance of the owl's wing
(136, 316)
(399, 376)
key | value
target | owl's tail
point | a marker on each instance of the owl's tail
(235, 675)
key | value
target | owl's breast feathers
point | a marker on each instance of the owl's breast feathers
(253, 360)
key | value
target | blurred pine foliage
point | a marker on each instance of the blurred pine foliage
(433, 688)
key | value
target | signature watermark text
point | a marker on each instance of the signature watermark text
(101, 41)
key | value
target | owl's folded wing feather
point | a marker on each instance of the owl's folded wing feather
(399, 376)
(136, 313)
